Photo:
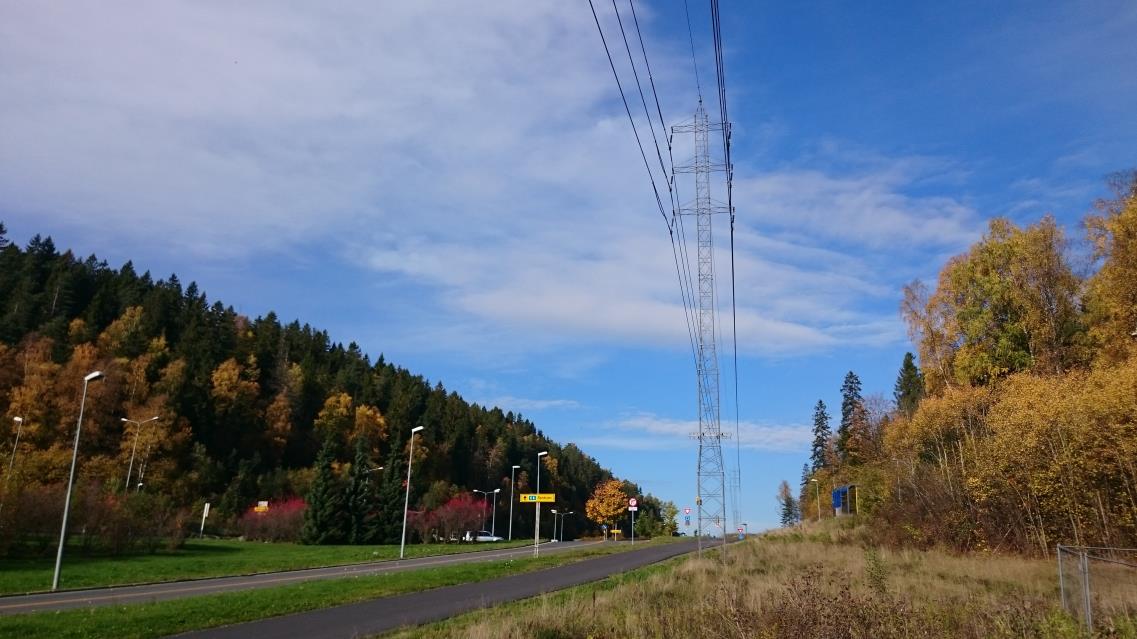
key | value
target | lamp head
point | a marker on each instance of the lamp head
(554, 511)
(93, 376)
(497, 490)
(416, 429)
(18, 420)
(542, 454)
(123, 419)
(516, 466)
(813, 481)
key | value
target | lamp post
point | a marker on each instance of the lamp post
(407, 501)
(134, 448)
(493, 514)
(8, 477)
(554, 511)
(71, 479)
(537, 522)
(485, 504)
(511, 473)
(817, 485)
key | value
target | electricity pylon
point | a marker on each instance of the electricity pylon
(711, 483)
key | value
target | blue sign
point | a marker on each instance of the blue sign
(686, 521)
(604, 527)
(741, 536)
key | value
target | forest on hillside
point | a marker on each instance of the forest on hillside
(245, 408)
(1017, 430)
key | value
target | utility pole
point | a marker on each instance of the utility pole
(711, 481)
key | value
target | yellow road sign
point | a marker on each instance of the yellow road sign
(538, 497)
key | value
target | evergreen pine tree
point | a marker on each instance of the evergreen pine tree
(850, 400)
(361, 498)
(821, 436)
(789, 509)
(389, 520)
(325, 515)
(909, 388)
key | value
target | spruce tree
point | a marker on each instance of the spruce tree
(389, 520)
(325, 515)
(361, 498)
(909, 388)
(789, 510)
(821, 436)
(850, 400)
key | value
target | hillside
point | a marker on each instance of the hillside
(1018, 429)
(244, 407)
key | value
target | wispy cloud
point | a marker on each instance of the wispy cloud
(475, 155)
(647, 431)
(521, 403)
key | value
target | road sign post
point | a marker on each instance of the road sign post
(632, 509)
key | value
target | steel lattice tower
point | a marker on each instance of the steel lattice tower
(711, 484)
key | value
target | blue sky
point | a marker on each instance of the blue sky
(455, 184)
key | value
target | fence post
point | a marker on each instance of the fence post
(1086, 591)
(1061, 580)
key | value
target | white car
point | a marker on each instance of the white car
(486, 536)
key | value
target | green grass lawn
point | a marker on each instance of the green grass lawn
(169, 617)
(204, 558)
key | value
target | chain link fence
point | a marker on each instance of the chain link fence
(1097, 583)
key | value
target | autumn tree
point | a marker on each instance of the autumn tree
(1111, 298)
(607, 503)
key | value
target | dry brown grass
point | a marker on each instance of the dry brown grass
(783, 586)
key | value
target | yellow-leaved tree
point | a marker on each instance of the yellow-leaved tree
(608, 502)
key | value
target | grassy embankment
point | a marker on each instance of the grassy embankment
(799, 586)
(205, 558)
(171, 617)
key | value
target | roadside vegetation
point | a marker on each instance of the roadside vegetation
(199, 559)
(1015, 428)
(795, 585)
(169, 617)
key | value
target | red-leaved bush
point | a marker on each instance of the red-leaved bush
(282, 522)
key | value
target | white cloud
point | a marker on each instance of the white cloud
(520, 403)
(475, 152)
(659, 432)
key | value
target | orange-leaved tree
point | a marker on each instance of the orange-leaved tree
(607, 503)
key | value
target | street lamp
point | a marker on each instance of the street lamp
(8, 478)
(71, 479)
(537, 523)
(511, 472)
(134, 448)
(554, 511)
(493, 514)
(485, 504)
(817, 485)
(407, 501)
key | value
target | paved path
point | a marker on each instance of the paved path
(382, 615)
(119, 595)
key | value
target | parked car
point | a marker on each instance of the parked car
(486, 536)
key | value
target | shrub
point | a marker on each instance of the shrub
(282, 521)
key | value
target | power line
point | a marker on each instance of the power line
(691, 38)
(628, 110)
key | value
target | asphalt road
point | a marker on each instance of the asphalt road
(119, 595)
(389, 613)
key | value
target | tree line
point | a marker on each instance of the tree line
(1015, 428)
(248, 410)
